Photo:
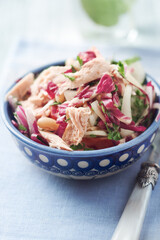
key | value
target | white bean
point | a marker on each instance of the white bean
(48, 124)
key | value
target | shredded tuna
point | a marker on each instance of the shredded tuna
(90, 71)
(55, 141)
(22, 87)
(47, 76)
(77, 125)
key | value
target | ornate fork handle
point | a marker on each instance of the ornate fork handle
(148, 174)
(134, 212)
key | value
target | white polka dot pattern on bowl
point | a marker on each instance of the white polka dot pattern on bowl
(62, 162)
(141, 148)
(130, 160)
(28, 151)
(104, 163)
(146, 149)
(152, 138)
(123, 157)
(83, 164)
(43, 158)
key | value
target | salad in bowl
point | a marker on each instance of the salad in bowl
(84, 118)
(90, 103)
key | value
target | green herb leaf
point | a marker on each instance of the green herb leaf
(69, 77)
(132, 60)
(113, 133)
(139, 93)
(107, 127)
(67, 119)
(138, 105)
(114, 62)
(40, 138)
(15, 114)
(121, 68)
(18, 103)
(92, 135)
(103, 109)
(93, 83)
(108, 113)
(55, 103)
(78, 147)
(73, 69)
(116, 88)
(21, 127)
(80, 60)
(120, 99)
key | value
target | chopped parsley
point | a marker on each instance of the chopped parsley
(21, 127)
(55, 103)
(114, 62)
(120, 99)
(80, 60)
(18, 103)
(67, 119)
(69, 77)
(113, 133)
(127, 61)
(121, 68)
(39, 138)
(138, 106)
(132, 60)
(116, 88)
(139, 93)
(108, 113)
(103, 109)
(73, 69)
(78, 147)
(93, 83)
(92, 135)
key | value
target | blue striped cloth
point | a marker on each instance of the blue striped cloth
(35, 205)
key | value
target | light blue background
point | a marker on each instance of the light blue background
(35, 205)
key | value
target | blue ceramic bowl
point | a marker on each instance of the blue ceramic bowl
(87, 164)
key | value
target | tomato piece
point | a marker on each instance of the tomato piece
(98, 142)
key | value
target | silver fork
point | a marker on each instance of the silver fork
(131, 221)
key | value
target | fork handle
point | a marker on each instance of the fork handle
(131, 221)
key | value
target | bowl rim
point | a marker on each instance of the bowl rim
(91, 153)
